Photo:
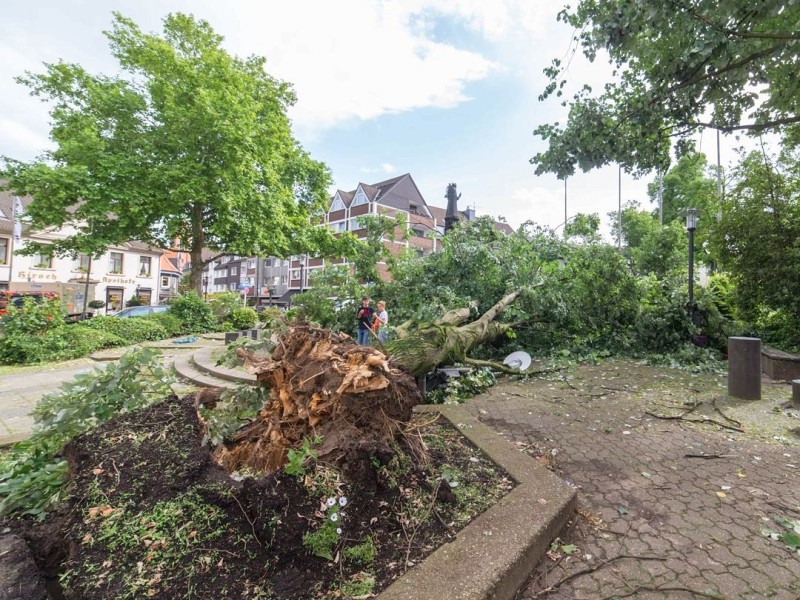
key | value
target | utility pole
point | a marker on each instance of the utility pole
(565, 204)
(619, 213)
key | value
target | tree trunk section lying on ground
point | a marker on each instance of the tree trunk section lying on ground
(448, 340)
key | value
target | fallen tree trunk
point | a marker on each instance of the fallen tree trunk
(450, 339)
(323, 384)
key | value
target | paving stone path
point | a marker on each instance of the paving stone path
(22, 389)
(693, 525)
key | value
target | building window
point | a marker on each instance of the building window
(283, 279)
(251, 264)
(81, 263)
(115, 259)
(234, 271)
(232, 286)
(144, 266)
(295, 274)
(337, 203)
(361, 198)
(42, 260)
(164, 282)
(3, 251)
(354, 224)
(268, 262)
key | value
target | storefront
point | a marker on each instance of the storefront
(114, 299)
(145, 295)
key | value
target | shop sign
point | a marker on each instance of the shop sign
(34, 276)
(118, 280)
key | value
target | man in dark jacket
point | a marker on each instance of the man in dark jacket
(365, 317)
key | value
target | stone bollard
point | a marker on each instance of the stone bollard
(744, 368)
(232, 336)
(796, 393)
(254, 333)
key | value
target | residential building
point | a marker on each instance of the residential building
(125, 270)
(172, 266)
(276, 280)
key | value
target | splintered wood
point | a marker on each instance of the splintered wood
(322, 384)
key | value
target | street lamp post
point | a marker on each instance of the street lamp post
(205, 287)
(691, 225)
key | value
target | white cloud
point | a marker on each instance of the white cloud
(25, 140)
(538, 204)
(384, 168)
(353, 60)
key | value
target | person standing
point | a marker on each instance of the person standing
(382, 321)
(365, 316)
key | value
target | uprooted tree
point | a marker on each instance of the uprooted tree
(322, 384)
(355, 398)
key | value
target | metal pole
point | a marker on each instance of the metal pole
(86, 286)
(565, 203)
(719, 170)
(619, 213)
(691, 272)
(661, 200)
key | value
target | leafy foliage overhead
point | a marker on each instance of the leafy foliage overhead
(679, 65)
(193, 144)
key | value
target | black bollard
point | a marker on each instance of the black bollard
(744, 368)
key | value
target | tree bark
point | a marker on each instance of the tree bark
(447, 340)
(196, 252)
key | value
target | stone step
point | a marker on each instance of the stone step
(186, 370)
(203, 361)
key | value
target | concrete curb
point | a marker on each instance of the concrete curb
(203, 361)
(186, 370)
(492, 557)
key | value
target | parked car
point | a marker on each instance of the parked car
(140, 311)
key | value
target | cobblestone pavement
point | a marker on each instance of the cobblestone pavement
(691, 526)
(19, 392)
(22, 389)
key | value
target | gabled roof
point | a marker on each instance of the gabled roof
(7, 208)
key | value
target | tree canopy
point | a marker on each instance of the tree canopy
(192, 144)
(758, 236)
(678, 66)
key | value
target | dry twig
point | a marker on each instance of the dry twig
(588, 570)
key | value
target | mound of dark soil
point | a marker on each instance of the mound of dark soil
(153, 516)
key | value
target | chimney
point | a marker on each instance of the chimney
(470, 212)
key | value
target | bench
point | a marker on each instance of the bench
(780, 365)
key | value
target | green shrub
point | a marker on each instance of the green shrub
(32, 317)
(73, 342)
(135, 329)
(31, 473)
(269, 315)
(223, 304)
(134, 301)
(242, 318)
(195, 315)
(171, 324)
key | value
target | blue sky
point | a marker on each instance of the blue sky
(444, 90)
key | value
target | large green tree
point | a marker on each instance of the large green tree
(189, 143)
(758, 236)
(679, 65)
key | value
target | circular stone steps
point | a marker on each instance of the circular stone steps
(200, 369)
